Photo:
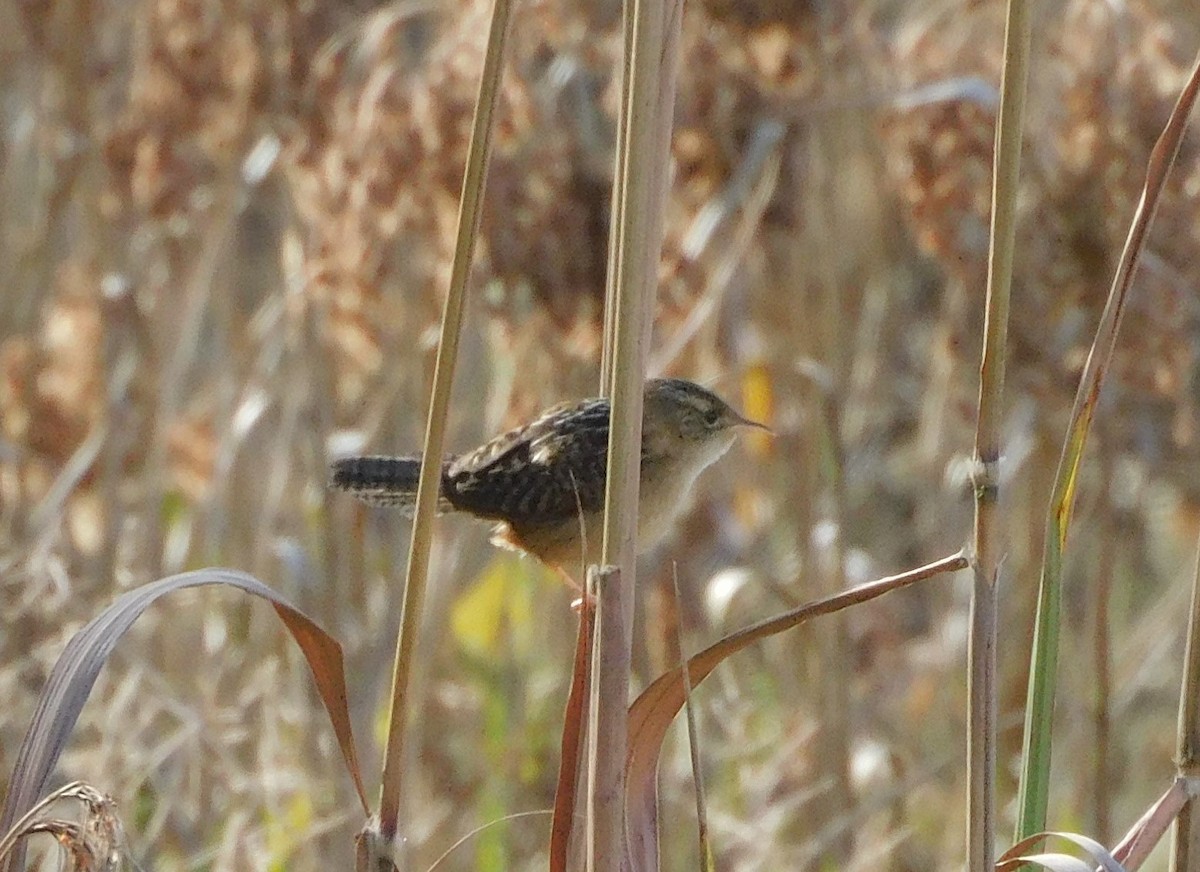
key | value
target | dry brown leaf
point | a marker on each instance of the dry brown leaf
(655, 708)
(75, 673)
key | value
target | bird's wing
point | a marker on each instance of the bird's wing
(549, 470)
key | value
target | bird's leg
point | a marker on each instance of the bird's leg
(577, 603)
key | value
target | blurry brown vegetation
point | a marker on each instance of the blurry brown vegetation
(225, 231)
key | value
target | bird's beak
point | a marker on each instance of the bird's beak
(746, 422)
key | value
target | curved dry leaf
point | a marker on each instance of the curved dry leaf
(1137, 844)
(100, 819)
(655, 708)
(1053, 862)
(1014, 857)
(574, 730)
(1035, 775)
(75, 673)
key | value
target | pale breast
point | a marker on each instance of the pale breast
(666, 490)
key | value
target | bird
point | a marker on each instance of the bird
(543, 482)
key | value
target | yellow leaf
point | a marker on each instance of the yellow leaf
(283, 831)
(758, 404)
(498, 597)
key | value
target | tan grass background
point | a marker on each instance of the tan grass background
(224, 232)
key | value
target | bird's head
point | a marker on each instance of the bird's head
(682, 411)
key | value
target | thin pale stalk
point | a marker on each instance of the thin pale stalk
(652, 44)
(478, 153)
(610, 681)
(987, 550)
(593, 724)
(617, 218)
(706, 856)
(832, 637)
(1039, 710)
(641, 175)
(1185, 836)
(1098, 603)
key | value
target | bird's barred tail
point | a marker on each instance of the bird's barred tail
(382, 481)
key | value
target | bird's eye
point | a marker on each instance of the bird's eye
(712, 416)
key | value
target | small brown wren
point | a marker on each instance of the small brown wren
(544, 481)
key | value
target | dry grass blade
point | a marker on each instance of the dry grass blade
(1053, 862)
(655, 708)
(99, 835)
(574, 726)
(1132, 851)
(1100, 355)
(1035, 777)
(436, 864)
(75, 673)
(1015, 856)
